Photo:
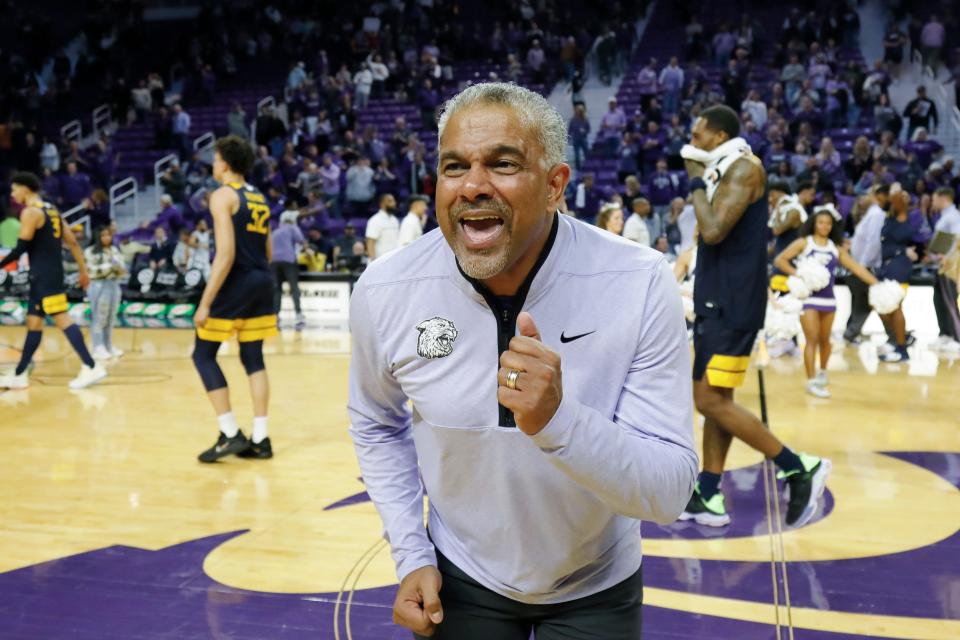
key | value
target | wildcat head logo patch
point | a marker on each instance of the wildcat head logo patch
(436, 338)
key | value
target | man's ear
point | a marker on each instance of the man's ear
(557, 181)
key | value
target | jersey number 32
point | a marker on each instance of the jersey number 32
(261, 216)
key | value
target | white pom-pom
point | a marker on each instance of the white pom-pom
(688, 308)
(780, 325)
(790, 304)
(798, 288)
(813, 273)
(886, 296)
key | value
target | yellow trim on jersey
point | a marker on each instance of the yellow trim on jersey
(779, 283)
(53, 305)
(727, 371)
(247, 329)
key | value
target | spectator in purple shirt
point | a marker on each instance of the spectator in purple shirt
(838, 98)
(330, 183)
(286, 241)
(587, 200)
(671, 81)
(579, 131)
(652, 144)
(932, 39)
(723, 45)
(627, 157)
(775, 155)
(818, 72)
(427, 101)
(662, 187)
(647, 83)
(828, 158)
(75, 186)
(920, 219)
(52, 191)
(924, 147)
(808, 113)
(536, 61)
(612, 126)
(754, 138)
(170, 216)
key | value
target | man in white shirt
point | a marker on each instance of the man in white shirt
(363, 82)
(635, 228)
(945, 290)
(866, 249)
(380, 73)
(756, 107)
(412, 226)
(383, 229)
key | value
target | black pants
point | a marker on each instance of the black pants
(945, 304)
(473, 612)
(859, 307)
(291, 273)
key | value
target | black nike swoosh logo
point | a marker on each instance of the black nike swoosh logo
(564, 339)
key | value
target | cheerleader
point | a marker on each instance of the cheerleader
(821, 240)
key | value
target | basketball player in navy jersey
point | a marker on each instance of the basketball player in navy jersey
(730, 299)
(238, 299)
(42, 235)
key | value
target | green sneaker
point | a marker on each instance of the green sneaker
(711, 513)
(805, 488)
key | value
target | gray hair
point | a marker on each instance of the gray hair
(532, 109)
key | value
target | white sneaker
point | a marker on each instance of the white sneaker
(116, 352)
(815, 389)
(10, 380)
(941, 342)
(101, 353)
(821, 378)
(885, 348)
(88, 376)
(301, 322)
(950, 346)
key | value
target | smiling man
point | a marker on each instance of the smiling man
(547, 367)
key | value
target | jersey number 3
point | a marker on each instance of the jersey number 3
(261, 216)
(55, 225)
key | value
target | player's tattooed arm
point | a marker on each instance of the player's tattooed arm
(742, 185)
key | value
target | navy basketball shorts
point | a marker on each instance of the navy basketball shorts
(46, 300)
(721, 354)
(244, 305)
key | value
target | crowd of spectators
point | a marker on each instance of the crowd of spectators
(794, 90)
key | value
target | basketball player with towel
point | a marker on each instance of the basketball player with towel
(494, 360)
(727, 185)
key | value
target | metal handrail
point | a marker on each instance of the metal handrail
(84, 220)
(102, 117)
(73, 130)
(121, 191)
(158, 168)
(66, 214)
(204, 143)
(268, 101)
(203, 147)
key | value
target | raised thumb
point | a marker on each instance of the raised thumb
(527, 326)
